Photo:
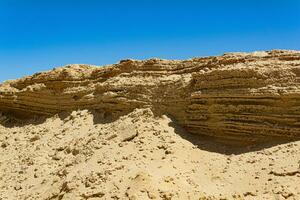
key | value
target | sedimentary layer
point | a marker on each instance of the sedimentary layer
(236, 97)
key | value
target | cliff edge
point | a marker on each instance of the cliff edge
(236, 98)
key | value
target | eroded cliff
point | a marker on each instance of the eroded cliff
(236, 97)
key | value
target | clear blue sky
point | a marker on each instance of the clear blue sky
(37, 35)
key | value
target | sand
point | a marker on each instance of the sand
(140, 156)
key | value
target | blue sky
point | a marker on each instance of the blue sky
(38, 35)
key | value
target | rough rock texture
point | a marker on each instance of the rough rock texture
(123, 131)
(236, 97)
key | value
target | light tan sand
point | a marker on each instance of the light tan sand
(138, 156)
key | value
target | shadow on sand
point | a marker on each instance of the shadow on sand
(203, 142)
(213, 144)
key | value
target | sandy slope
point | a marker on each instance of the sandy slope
(138, 156)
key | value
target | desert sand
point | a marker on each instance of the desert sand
(138, 156)
(222, 127)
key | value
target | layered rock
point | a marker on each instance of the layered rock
(234, 97)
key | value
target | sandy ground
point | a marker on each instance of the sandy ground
(138, 156)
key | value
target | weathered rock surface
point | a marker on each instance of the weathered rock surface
(236, 97)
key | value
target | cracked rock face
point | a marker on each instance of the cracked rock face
(236, 98)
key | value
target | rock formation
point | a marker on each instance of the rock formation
(236, 97)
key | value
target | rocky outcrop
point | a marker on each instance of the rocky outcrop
(235, 97)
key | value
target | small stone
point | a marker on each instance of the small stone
(168, 152)
(34, 138)
(56, 157)
(18, 187)
(75, 152)
(4, 144)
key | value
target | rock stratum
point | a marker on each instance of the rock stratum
(236, 98)
(213, 128)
